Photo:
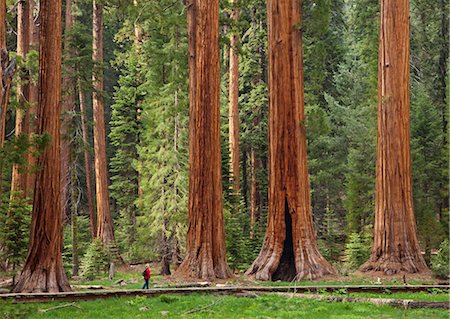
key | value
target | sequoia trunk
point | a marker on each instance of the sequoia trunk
(205, 253)
(395, 247)
(68, 106)
(290, 250)
(105, 229)
(87, 168)
(32, 101)
(233, 118)
(19, 175)
(43, 270)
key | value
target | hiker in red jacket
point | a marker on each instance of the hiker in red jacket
(146, 274)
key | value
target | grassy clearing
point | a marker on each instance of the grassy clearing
(168, 306)
(134, 280)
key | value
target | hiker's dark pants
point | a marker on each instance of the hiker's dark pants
(145, 286)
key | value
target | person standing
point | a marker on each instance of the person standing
(146, 274)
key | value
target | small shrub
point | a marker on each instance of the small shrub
(440, 263)
(357, 250)
(95, 260)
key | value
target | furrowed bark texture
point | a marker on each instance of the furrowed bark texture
(87, 168)
(290, 250)
(105, 229)
(19, 174)
(205, 253)
(43, 270)
(233, 118)
(395, 247)
(32, 101)
(68, 106)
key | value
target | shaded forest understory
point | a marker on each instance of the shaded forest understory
(286, 139)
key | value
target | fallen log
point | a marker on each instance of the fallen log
(399, 303)
(89, 287)
(110, 293)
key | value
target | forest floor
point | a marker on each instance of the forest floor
(200, 305)
(210, 306)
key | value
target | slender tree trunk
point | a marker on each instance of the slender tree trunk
(7, 69)
(105, 229)
(68, 106)
(33, 101)
(254, 192)
(3, 53)
(43, 270)
(233, 118)
(87, 168)
(205, 253)
(395, 247)
(166, 251)
(137, 30)
(290, 250)
(74, 220)
(19, 172)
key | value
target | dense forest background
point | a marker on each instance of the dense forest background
(147, 116)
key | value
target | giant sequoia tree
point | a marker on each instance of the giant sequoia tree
(105, 229)
(205, 254)
(233, 118)
(43, 270)
(290, 250)
(395, 246)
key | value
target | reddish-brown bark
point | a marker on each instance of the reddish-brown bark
(87, 168)
(43, 270)
(233, 118)
(205, 253)
(290, 250)
(67, 108)
(395, 247)
(19, 172)
(33, 101)
(105, 229)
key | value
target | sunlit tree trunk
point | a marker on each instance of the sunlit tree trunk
(395, 247)
(68, 106)
(43, 270)
(290, 250)
(33, 100)
(233, 118)
(87, 167)
(19, 172)
(105, 229)
(205, 253)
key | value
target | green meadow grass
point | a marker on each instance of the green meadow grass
(171, 306)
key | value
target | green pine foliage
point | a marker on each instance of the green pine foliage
(95, 261)
(357, 249)
(440, 263)
(124, 137)
(163, 158)
(15, 218)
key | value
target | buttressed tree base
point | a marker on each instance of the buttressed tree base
(290, 249)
